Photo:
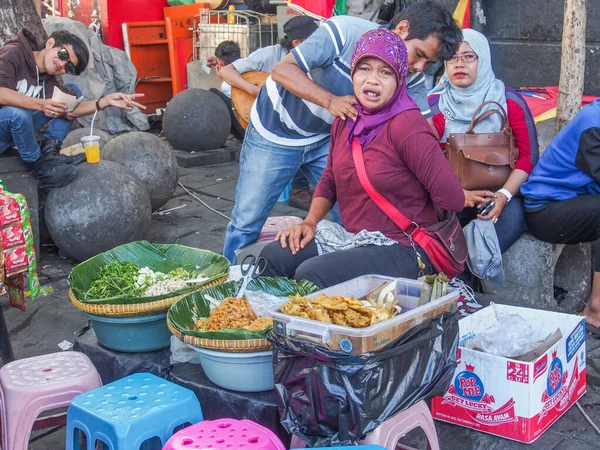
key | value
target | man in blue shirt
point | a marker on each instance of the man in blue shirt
(292, 116)
(562, 195)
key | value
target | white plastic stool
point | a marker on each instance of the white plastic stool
(31, 386)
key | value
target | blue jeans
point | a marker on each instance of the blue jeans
(265, 170)
(18, 127)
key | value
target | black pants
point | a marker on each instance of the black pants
(568, 222)
(337, 267)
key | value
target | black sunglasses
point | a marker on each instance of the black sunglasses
(63, 55)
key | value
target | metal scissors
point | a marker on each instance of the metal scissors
(251, 268)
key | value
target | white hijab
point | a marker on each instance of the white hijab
(458, 104)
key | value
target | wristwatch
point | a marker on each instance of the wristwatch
(506, 193)
(98, 104)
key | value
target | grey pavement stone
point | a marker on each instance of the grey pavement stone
(533, 267)
(206, 157)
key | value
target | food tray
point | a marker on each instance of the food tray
(375, 337)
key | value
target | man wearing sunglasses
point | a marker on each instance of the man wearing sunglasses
(27, 81)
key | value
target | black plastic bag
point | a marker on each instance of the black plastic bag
(329, 398)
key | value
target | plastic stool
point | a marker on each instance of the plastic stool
(395, 428)
(126, 413)
(354, 447)
(31, 386)
(275, 224)
(225, 434)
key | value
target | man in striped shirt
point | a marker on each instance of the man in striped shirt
(292, 116)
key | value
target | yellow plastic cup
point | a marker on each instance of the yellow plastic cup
(91, 145)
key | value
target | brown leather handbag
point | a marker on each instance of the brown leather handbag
(483, 160)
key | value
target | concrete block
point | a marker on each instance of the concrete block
(207, 157)
(18, 179)
(532, 268)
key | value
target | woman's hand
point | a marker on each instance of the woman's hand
(500, 202)
(474, 198)
(297, 236)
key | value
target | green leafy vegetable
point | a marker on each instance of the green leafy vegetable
(115, 279)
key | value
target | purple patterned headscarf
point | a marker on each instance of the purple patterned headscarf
(389, 48)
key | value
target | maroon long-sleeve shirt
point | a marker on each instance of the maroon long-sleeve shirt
(404, 163)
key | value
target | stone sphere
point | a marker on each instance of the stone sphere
(103, 207)
(148, 158)
(196, 120)
(74, 137)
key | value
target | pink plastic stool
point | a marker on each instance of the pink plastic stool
(225, 434)
(395, 428)
(31, 386)
(275, 224)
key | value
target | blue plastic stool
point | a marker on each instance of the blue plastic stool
(126, 413)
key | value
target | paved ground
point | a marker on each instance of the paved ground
(53, 319)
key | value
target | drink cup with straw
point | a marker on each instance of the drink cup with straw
(91, 144)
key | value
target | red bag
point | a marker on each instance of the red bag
(444, 242)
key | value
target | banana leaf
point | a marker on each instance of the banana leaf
(158, 257)
(181, 314)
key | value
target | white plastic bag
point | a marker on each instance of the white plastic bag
(182, 353)
(261, 302)
(509, 337)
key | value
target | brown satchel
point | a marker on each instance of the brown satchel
(483, 160)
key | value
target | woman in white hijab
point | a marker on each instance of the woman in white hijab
(468, 82)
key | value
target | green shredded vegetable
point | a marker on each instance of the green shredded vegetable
(115, 279)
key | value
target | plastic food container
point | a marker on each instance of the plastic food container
(244, 372)
(132, 334)
(375, 337)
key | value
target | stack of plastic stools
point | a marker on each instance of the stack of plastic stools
(31, 386)
(395, 428)
(225, 434)
(274, 225)
(130, 411)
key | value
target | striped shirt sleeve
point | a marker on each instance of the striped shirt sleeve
(415, 86)
(321, 48)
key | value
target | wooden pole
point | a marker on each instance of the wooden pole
(572, 65)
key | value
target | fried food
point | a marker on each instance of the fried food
(231, 313)
(317, 313)
(199, 323)
(380, 315)
(260, 324)
(339, 310)
(331, 303)
(357, 320)
(292, 309)
(339, 318)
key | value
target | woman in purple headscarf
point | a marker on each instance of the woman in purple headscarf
(403, 163)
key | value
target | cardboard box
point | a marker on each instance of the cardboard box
(511, 398)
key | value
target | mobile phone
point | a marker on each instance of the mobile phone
(483, 210)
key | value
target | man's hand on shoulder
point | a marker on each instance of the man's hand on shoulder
(342, 107)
